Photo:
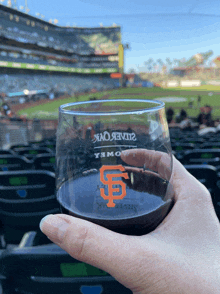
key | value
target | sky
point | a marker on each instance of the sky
(153, 29)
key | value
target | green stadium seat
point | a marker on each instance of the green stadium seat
(180, 147)
(7, 152)
(44, 269)
(18, 146)
(14, 162)
(202, 156)
(25, 197)
(45, 162)
(208, 176)
(30, 152)
(210, 145)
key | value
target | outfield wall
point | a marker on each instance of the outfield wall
(185, 83)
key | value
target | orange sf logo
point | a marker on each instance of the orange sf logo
(110, 197)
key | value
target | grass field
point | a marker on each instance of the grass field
(200, 88)
(210, 95)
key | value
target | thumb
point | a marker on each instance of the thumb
(93, 244)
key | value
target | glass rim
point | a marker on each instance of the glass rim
(160, 105)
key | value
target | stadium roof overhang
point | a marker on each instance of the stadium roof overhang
(22, 14)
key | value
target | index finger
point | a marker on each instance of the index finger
(159, 162)
(168, 167)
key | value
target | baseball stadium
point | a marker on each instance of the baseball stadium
(43, 66)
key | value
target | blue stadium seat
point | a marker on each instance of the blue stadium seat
(14, 162)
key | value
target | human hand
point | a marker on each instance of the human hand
(181, 256)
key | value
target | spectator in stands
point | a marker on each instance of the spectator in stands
(181, 256)
(183, 122)
(201, 116)
(186, 124)
(181, 116)
(199, 101)
(208, 128)
(51, 95)
(170, 114)
(208, 113)
(205, 116)
(6, 108)
(216, 122)
(217, 125)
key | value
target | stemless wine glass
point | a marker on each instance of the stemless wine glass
(114, 163)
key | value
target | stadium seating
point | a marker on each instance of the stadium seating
(30, 152)
(202, 161)
(11, 83)
(18, 146)
(48, 269)
(7, 152)
(210, 145)
(202, 156)
(25, 197)
(45, 162)
(36, 268)
(10, 162)
(206, 174)
(49, 145)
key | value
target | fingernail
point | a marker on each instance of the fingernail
(54, 227)
(43, 220)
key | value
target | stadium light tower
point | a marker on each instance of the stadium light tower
(26, 7)
(121, 49)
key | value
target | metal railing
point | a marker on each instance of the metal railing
(17, 132)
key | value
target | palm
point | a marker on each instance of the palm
(181, 256)
(188, 233)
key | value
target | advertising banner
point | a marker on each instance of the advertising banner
(57, 68)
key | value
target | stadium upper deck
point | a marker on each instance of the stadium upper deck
(26, 39)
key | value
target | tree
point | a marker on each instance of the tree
(148, 64)
(131, 71)
(160, 62)
(176, 62)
